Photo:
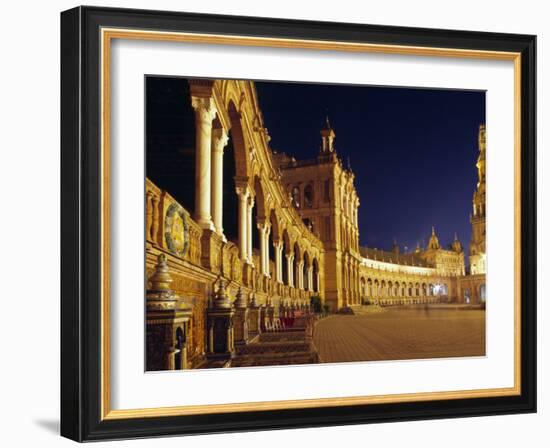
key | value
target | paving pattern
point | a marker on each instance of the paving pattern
(401, 334)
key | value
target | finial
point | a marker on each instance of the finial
(221, 300)
(161, 279)
(433, 230)
(253, 302)
(456, 237)
(240, 302)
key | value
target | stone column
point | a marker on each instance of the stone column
(263, 229)
(310, 278)
(301, 274)
(318, 281)
(250, 206)
(219, 140)
(278, 246)
(205, 111)
(289, 270)
(266, 245)
(242, 192)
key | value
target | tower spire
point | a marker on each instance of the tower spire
(434, 241)
(457, 245)
(327, 138)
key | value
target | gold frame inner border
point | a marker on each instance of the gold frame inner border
(107, 35)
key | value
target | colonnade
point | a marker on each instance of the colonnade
(388, 289)
(211, 139)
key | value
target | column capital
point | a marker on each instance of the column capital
(263, 224)
(242, 185)
(204, 108)
(242, 191)
(220, 137)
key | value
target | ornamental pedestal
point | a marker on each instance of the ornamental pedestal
(254, 328)
(220, 320)
(263, 318)
(241, 319)
(211, 247)
(248, 274)
(167, 323)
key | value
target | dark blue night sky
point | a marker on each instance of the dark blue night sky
(413, 152)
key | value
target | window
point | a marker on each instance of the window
(296, 197)
(308, 196)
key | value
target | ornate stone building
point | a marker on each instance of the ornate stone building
(323, 193)
(477, 218)
(472, 287)
(240, 225)
(245, 233)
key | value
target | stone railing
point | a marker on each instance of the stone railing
(159, 204)
(231, 264)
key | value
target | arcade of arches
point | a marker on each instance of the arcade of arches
(231, 225)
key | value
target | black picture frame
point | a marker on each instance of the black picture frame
(81, 224)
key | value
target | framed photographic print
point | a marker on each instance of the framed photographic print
(275, 224)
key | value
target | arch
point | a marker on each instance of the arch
(275, 225)
(262, 211)
(363, 284)
(369, 288)
(242, 163)
(295, 196)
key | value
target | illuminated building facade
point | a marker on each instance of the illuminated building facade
(237, 233)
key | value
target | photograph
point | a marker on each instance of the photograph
(292, 223)
(272, 223)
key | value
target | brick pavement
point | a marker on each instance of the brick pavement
(401, 334)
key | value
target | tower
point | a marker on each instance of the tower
(477, 218)
(327, 138)
(433, 244)
(329, 204)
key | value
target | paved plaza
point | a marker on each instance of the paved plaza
(401, 333)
